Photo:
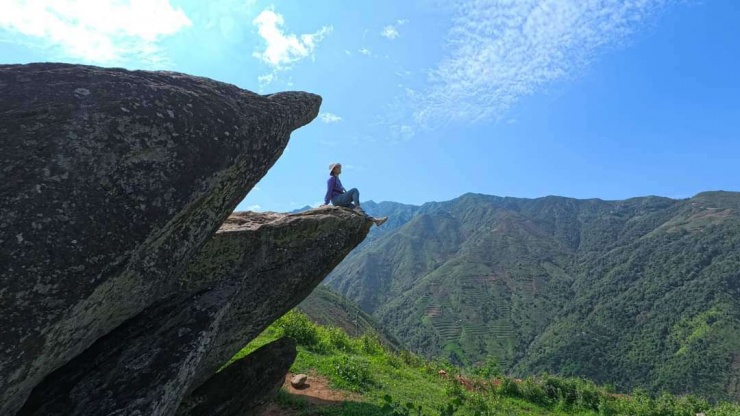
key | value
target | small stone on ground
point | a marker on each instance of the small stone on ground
(298, 380)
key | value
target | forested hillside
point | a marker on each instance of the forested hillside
(642, 292)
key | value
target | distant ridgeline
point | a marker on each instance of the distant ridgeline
(639, 293)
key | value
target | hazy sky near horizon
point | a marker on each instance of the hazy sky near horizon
(429, 99)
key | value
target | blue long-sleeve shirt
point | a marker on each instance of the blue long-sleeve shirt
(333, 188)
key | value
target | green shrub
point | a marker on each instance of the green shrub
(354, 372)
(665, 405)
(695, 404)
(336, 339)
(370, 344)
(296, 325)
(392, 408)
(393, 360)
(411, 359)
(533, 392)
(508, 388)
(559, 389)
(641, 404)
(487, 370)
(453, 389)
(607, 407)
(451, 407)
(478, 403)
(587, 395)
(724, 409)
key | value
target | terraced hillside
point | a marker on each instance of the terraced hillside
(642, 292)
(326, 307)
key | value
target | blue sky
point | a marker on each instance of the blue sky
(428, 99)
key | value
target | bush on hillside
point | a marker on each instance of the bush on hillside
(297, 326)
(487, 370)
(336, 339)
(370, 344)
(412, 360)
(532, 391)
(353, 371)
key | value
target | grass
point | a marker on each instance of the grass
(400, 383)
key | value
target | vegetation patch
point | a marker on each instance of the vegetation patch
(388, 382)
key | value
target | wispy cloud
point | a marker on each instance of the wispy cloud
(265, 79)
(283, 49)
(391, 31)
(499, 51)
(254, 208)
(365, 51)
(329, 118)
(95, 31)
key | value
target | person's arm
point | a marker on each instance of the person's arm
(329, 189)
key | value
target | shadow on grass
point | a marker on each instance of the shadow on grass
(316, 406)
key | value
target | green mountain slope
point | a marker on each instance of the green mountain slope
(327, 307)
(641, 292)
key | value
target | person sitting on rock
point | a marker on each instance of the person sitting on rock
(338, 196)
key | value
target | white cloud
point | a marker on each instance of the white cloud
(282, 50)
(499, 51)
(329, 118)
(389, 32)
(256, 188)
(96, 31)
(365, 51)
(254, 208)
(265, 79)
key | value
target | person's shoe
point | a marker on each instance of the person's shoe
(380, 221)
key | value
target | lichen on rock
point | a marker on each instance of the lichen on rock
(113, 181)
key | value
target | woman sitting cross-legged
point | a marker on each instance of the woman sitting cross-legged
(337, 195)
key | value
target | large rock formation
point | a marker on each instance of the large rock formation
(112, 181)
(256, 268)
(243, 387)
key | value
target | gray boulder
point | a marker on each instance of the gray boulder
(110, 182)
(245, 386)
(256, 268)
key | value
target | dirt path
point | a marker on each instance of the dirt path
(316, 392)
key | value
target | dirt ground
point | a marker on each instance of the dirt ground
(316, 391)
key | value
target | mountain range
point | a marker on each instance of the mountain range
(643, 292)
